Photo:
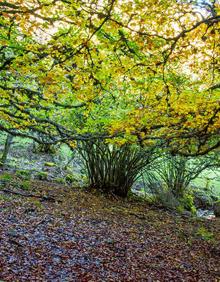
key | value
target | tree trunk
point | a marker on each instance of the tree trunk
(7, 146)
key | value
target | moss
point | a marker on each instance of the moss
(37, 204)
(24, 174)
(49, 164)
(70, 178)
(42, 175)
(6, 177)
(60, 180)
(2, 199)
(206, 235)
(187, 202)
(25, 185)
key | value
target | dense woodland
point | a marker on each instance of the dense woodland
(109, 140)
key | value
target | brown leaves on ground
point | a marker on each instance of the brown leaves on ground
(83, 236)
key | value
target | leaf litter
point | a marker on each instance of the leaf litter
(85, 236)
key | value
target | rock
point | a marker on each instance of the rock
(216, 208)
(209, 214)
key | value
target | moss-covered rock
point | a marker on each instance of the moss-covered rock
(50, 164)
(42, 175)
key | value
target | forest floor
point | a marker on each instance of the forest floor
(50, 232)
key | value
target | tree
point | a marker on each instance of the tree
(8, 143)
(169, 180)
(99, 69)
(114, 169)
(174, 174)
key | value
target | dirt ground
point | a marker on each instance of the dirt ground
(50, 232)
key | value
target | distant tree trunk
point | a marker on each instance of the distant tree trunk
(7, 146)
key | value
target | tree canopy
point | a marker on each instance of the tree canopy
(126, 71)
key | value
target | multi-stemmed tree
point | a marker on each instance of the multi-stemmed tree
(126, 71)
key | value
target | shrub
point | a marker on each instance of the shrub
(163, 194)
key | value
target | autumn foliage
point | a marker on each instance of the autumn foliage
(125, 71)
